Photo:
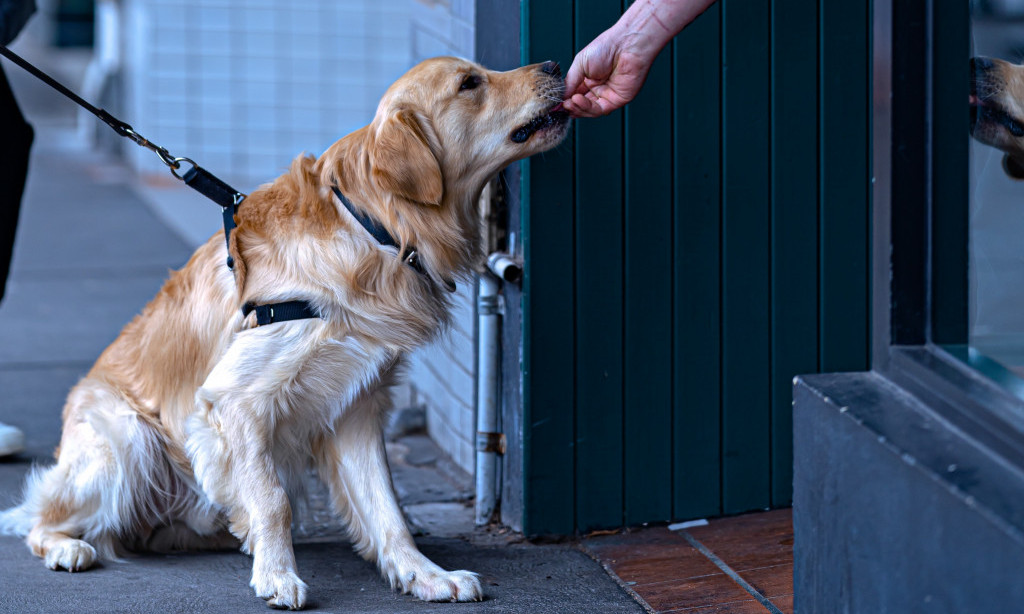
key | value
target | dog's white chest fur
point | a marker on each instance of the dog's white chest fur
(296, 383)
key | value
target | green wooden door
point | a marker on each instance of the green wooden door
(686, 257)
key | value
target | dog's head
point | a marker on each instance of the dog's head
(450, 124)
(997, 109)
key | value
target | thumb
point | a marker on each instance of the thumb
(574, 78)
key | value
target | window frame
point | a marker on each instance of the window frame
(920, 213)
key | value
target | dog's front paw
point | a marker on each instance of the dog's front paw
(283, 590)
(446, 586)
(71, 554)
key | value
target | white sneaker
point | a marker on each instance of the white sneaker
(12, 440)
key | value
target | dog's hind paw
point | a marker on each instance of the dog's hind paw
(71, 554)
(447, 586)
(282, 590)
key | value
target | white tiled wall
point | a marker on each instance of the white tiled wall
(442, 375)
(243, 86)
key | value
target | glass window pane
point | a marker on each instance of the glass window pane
(997, 184)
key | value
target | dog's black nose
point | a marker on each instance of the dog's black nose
(980, 64)
(551, 68)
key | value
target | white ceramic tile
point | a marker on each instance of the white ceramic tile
(258, 19)
(214, 17)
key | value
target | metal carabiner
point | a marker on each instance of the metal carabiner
(165, 156)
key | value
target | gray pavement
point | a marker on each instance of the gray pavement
(90, 253)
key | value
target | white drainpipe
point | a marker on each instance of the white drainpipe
(489, 443)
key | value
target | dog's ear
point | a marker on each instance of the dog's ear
(402, 160)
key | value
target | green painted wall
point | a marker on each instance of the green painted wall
(686, 257)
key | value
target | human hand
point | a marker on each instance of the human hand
(610, 71)
(607, 73)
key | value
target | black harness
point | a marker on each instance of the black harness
(280, 312)
(229, 200)
(301, 310)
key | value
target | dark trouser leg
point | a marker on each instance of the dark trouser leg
(15, 141)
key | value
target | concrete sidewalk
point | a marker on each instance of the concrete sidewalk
(90, 254)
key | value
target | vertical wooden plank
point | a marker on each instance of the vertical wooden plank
(696, 283)
(845, 181)
(548, 312)
(648, 294)
(599, 299)
(696, 277)
(746, 254)
(794, 229)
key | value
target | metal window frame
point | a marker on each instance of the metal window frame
(920, 221)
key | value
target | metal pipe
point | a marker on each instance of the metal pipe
(504, 267)
(488, 441)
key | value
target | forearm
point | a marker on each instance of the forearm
(653, 23)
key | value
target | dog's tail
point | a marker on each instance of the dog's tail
(20, 520)
(16, 521)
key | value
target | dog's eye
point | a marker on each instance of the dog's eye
(469, 83)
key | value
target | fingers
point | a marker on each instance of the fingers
(581, 104)
(578, 106)
(589, 105)
(592, 65)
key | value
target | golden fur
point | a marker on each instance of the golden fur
(195, 421)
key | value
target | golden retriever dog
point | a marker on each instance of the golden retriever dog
(196, 424)
(997, 109)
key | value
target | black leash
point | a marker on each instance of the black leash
(196, 177)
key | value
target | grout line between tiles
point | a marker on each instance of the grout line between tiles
(746, 569)
(626, 586)
(660, 582)
(700, 607)
(729, 571)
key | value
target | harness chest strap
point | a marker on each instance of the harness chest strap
(229, 200)
(280, 312)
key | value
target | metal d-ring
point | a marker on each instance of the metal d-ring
(176, 164)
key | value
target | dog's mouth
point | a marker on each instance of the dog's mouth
(553, 117)
(988, 112)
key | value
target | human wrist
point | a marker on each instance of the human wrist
(649, 25)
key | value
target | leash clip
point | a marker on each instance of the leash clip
(124, 129)
(165, 156)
